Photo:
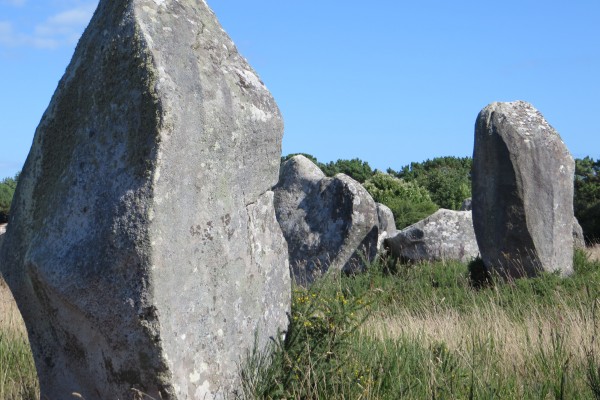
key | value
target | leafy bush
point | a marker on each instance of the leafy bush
(587, 197)
(356, 169)
(315, 359)
(448, 179)
(7, 191)
(408, 201)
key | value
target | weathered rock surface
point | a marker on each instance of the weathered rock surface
(522, 192)
(578, 237)
(444, 235)
(144, 249)
(327, 222)
(387, 224)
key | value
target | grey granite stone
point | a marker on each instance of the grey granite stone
(522, 192)
(444, 235)
(144, 249)
(327, 222)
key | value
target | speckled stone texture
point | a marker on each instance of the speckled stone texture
(444, 235)
(329, 223)
(522, 192)
(143, 250)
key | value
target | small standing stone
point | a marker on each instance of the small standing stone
(467, 205)
(387, 224)
(578, 237)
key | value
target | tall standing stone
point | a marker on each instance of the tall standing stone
(143, 249)
(522, 192)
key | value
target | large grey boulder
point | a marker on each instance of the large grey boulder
(522, 192)
(445, 235)
(144, 250)
(327, 222)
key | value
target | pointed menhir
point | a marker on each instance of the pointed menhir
(143, 249)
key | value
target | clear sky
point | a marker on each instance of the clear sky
(388, 81)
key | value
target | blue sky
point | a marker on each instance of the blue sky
(387, 81)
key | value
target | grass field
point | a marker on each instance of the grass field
(413, 332)
(424, 332)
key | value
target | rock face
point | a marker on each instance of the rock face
(327, 222)
(144, 249)
(522, 192)
(444, 235)
(387, 224)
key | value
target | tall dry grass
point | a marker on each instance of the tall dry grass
(512, 342)
(593, 252)
(18, 377)
(426, 331)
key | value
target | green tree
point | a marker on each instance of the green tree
(7, 191)
(448, 179)
(356, 169)
(586, 200)
(310, 157)
(408, 201)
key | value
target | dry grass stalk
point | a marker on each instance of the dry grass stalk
(10, 317)
(593, 252)
(512, 341)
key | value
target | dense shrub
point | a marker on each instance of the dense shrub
(408, 201)
(356, 169)
(587, 197)
(7, 191)
(448, 179)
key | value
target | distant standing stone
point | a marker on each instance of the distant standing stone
(467, 205)
(2, 231)
(144, 252)
(578, 237)
(522, 192)
(387, 224)
(327, 222)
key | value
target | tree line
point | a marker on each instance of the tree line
(418, 189)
